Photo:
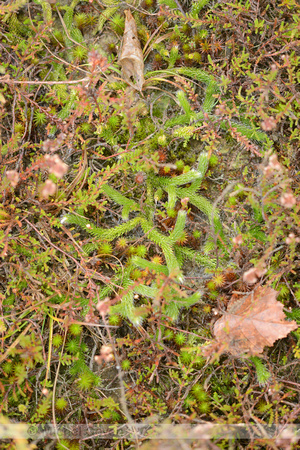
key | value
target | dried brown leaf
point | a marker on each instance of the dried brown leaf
(252, 323)
(131, 58)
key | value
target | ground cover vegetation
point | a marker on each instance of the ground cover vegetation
(150, 224)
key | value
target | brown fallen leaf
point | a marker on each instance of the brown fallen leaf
(252, 323)
(131, 58)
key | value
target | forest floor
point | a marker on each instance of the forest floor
(149, 224)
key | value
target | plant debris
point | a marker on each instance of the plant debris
(131, 59)
(252, 323)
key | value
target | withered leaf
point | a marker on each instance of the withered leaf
(252, 323)
(131, 58)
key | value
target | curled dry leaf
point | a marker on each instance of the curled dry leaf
(252, 323)
(131, 58)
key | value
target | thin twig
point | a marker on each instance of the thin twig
(7, 80)
(120, 376)
(67, 32)
(214, 206)
(54, 387)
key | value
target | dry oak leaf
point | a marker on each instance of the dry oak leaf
(131, 58)
(252, 323)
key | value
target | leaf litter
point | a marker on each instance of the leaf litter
(131, 57)
(252, 323)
